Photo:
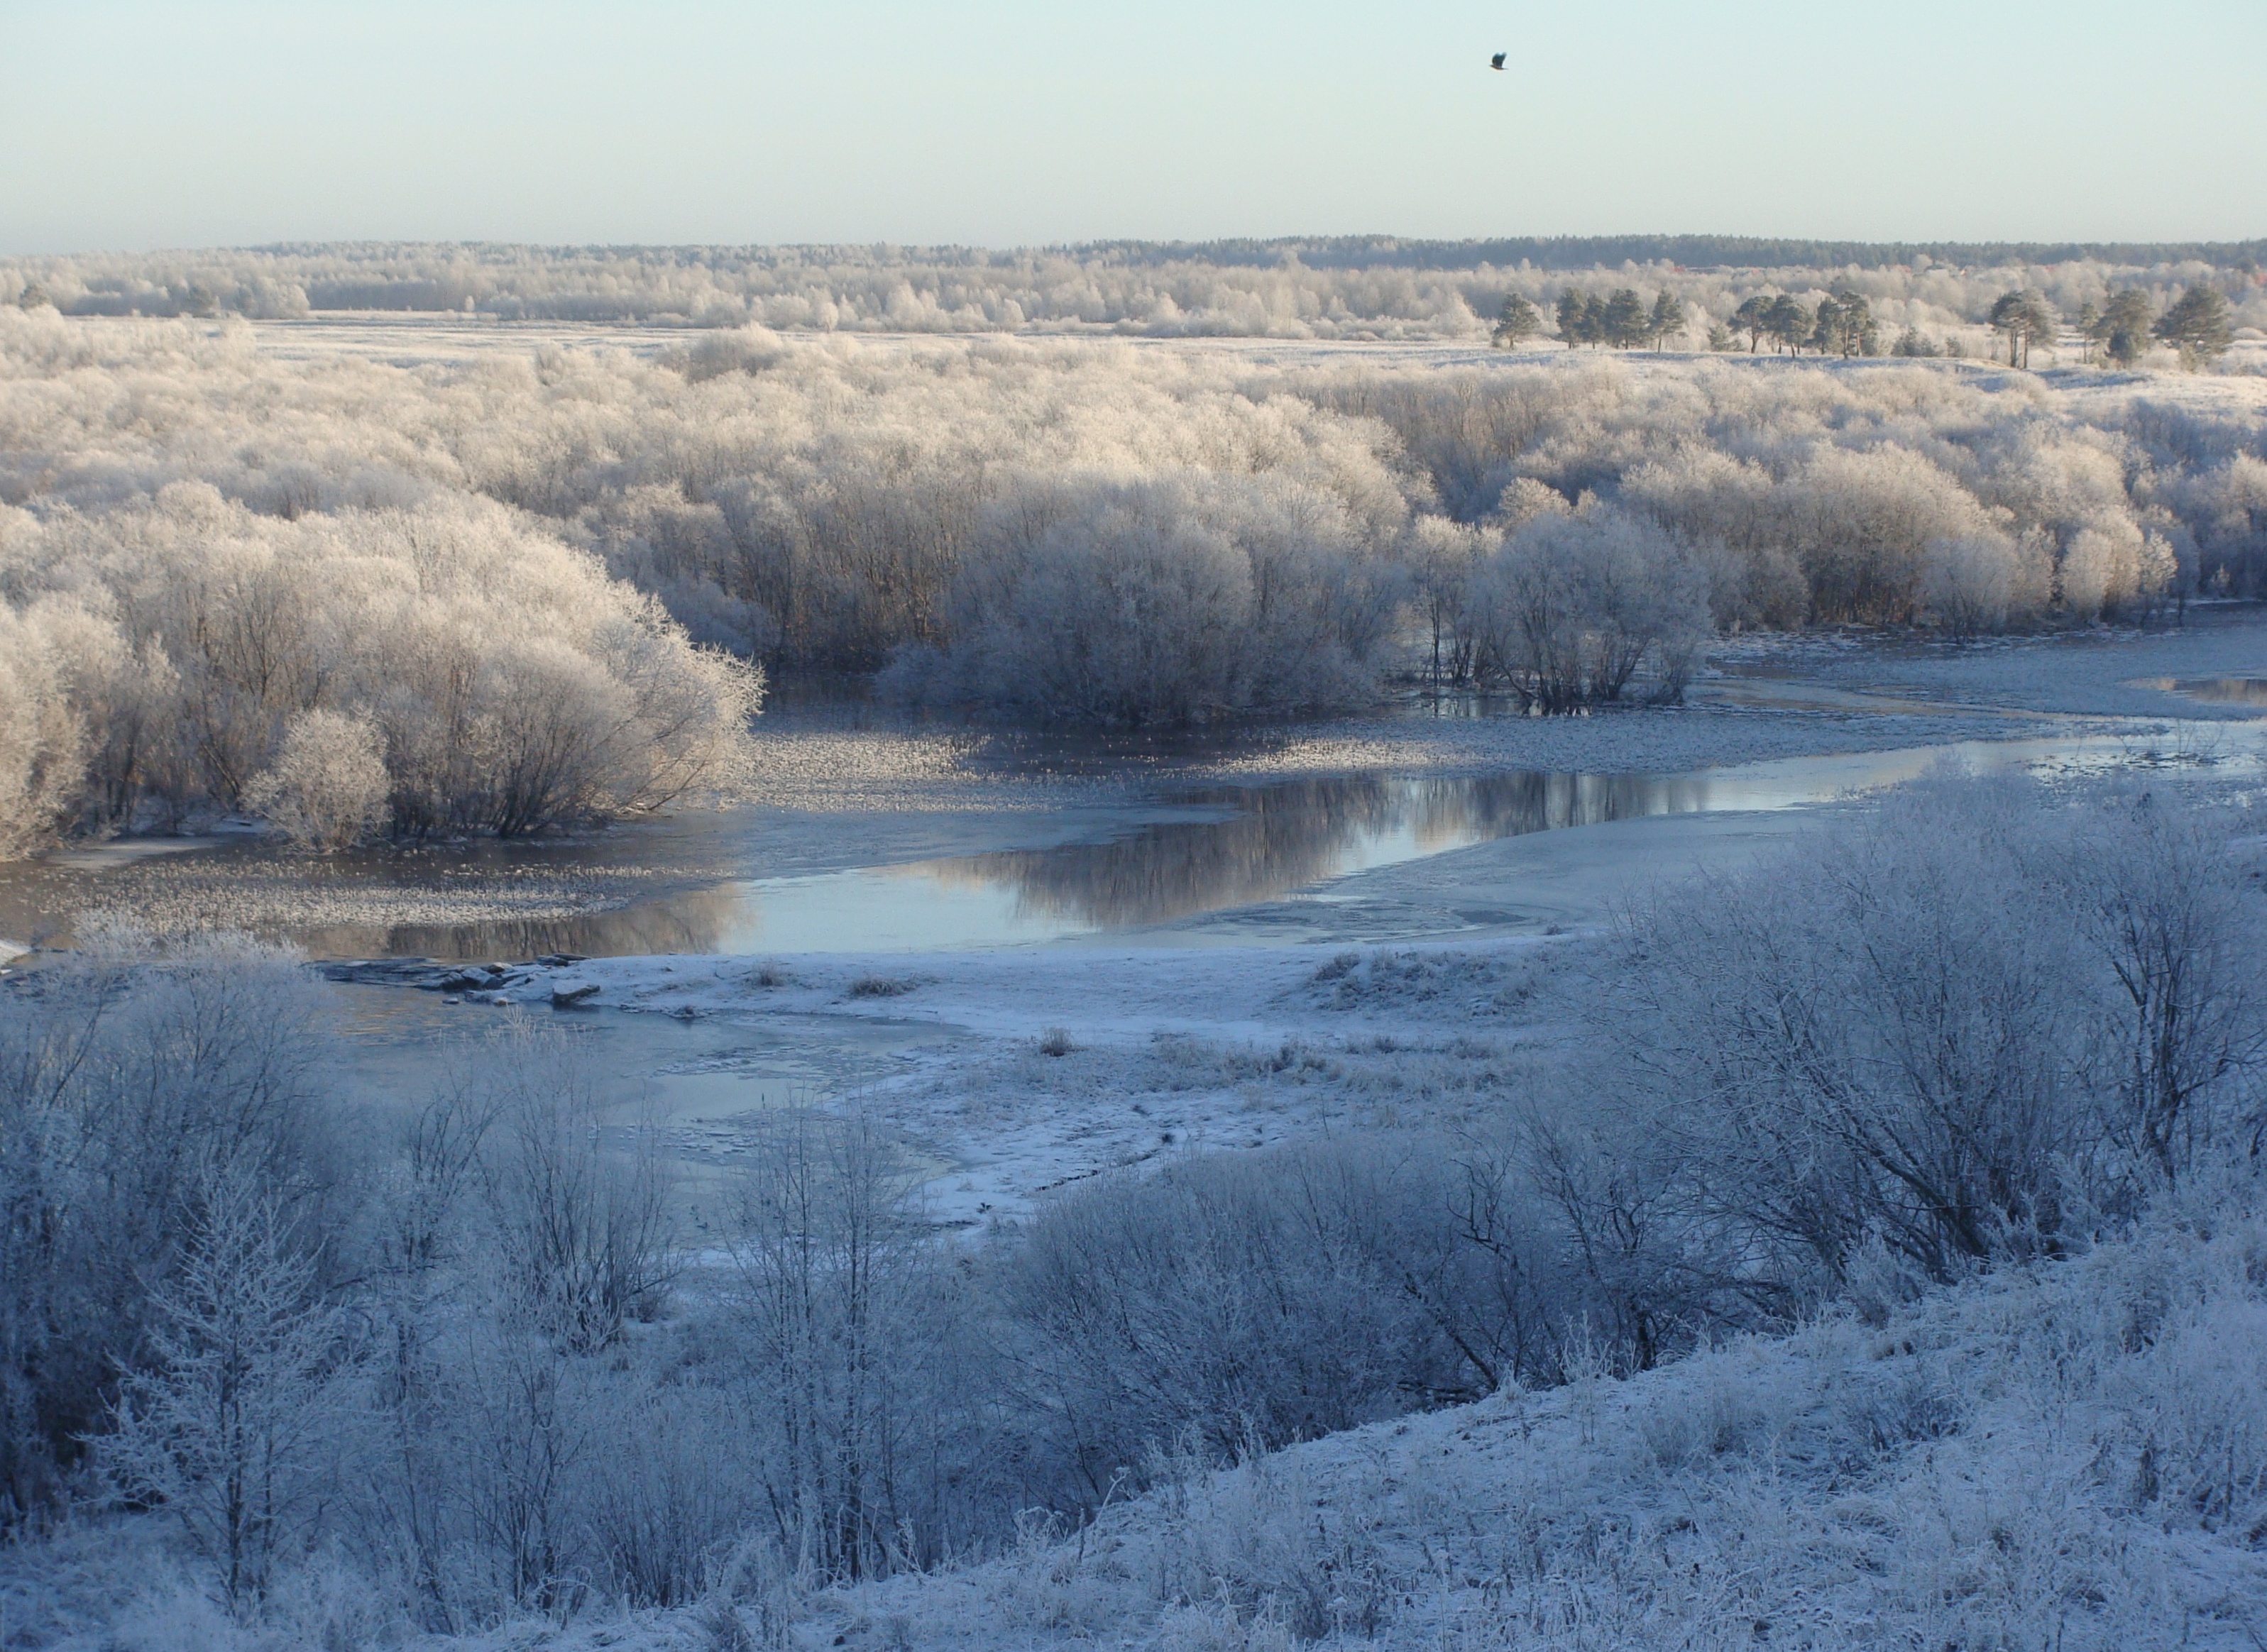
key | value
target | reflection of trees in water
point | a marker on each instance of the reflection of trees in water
(1274, 839)
(2227, 690)
(695, 921)
(1280, 837)
(1445, 812)
(1284, 837)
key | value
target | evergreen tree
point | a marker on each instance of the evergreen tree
(1845, 325)
(2023, 316)
(1626, 320)
(1912, 342)
(2197, 326)
(1668, 317)
(1826, 325)
(1789, 322)
(1753, 317)
(1516, 323)
(1574, 317)
(2122, 329)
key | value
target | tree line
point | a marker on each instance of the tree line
(494, 597)
(2197, 325)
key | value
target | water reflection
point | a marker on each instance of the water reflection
(2226, 690)
(1276, 839)
(1227, 846)
(1189, 852)
(692, 921)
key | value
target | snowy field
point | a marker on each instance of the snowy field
(414, 339)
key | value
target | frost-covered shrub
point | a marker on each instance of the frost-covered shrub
(1970, 586)
(1172, 603)
(1576, 609)
(1069, 528)
(42, 758)
(225, 659)
(328, 784)
(123, 1088)
(1977, 1025)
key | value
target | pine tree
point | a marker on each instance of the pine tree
(1574, 317)
(2123, 330)
(2023, 316)
(1846, 326)
(1753, 317)
(1516, 323)
(1668, 317)
(1789, 322)
(2197, 326)
(1625, 321)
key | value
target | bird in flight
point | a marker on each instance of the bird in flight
(1497, 60)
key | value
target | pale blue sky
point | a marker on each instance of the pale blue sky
(997, 121)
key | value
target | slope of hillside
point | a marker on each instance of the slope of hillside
(2073, 1456)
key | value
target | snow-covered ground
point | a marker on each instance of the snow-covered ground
(2047, 1460)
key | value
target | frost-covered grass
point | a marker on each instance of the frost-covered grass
(2070, 1455)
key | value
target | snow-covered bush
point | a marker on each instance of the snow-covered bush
(43, 761)
(1577, 609)
(328, 784)
(444, 669)
(1977, 1024)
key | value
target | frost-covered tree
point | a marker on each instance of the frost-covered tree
(2197, 325)
(579, 1213)
(2023, 316)
(236, 1425)
(1517, 322)
(42, 761)
(1574, 606)
(1969, 584)
(123, 1082)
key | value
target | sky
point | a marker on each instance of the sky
(133, 127)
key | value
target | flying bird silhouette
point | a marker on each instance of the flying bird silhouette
(1497, 60)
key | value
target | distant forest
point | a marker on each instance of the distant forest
(1570, 252)
(1324, 288)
